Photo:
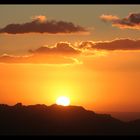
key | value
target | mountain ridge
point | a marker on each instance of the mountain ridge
(41, 119)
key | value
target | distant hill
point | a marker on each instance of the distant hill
(124, 116)
(60, 120)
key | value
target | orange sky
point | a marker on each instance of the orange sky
(97, 84)
(94, 59)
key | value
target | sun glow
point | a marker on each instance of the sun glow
(63, 100)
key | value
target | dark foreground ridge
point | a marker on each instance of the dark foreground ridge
(60, 120)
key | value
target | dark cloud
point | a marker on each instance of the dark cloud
(118, 44)
(132, 21)
(40, 24)
(61, 48)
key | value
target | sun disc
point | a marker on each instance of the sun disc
(63, 100)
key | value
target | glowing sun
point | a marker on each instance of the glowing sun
(63, 100)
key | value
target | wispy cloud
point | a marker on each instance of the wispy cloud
(108, 17)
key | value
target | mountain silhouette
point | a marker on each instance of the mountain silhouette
(61, 120)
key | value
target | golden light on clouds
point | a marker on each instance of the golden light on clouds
(39, 18)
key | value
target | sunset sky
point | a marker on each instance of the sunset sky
(89, 53)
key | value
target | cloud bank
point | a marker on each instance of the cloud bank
(40, 24)
(66, 53)
(61, 53)
(132, 21)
